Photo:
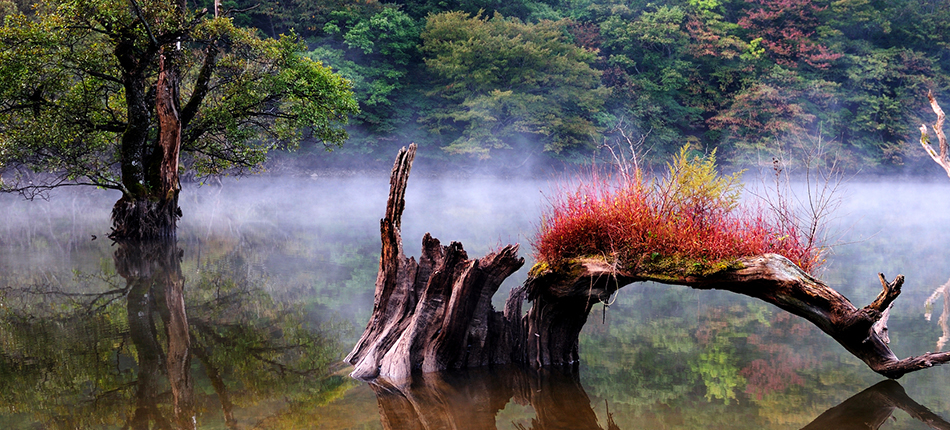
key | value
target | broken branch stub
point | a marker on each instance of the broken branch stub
(436, 314)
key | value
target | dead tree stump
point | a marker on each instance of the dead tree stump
(435, 314)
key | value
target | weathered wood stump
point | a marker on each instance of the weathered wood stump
(436, 314)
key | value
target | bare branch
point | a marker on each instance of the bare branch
(942, 158)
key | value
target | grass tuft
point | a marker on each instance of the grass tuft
(689, 222)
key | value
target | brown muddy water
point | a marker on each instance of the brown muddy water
(278, 279)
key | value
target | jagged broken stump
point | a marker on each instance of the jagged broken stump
(436, 314)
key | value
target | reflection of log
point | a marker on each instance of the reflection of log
(471, 399)
(871, 407)
(943, 290)
(436, 314)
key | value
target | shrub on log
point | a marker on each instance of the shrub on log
(691, 218)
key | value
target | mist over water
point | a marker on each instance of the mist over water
(659, 357)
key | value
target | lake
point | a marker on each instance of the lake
(278, 281)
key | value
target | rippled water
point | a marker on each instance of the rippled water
(278, 279)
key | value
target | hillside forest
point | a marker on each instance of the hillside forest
(525, 83)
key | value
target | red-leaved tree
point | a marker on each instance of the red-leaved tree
(787, 29)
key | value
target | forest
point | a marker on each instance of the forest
(518, 83)
(526, 84)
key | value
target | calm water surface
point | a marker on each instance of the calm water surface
(278, 279)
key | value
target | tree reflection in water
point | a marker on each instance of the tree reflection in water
(470, 399)
(152, 271)
(169, 356)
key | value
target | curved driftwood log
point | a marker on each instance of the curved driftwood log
(770, 278)
(436, 314)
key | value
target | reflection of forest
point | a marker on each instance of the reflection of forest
(675, 358)
(666, 357)
(153, 353)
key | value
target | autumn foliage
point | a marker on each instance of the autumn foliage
(691, 216)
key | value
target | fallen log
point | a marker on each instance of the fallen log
(436, 314)
(770, 278)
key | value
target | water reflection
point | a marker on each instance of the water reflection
(871, 408)
(140, 346)
(943, 290)
(474, 398)
(154, 282)
(471, 399)
(262, 272)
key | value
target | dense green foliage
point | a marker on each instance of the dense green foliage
(556, 80)
(754, 79)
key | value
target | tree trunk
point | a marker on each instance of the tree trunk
(942, 158)
(149, 208)
(436, 314)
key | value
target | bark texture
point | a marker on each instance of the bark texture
(770, 278)
(436, 314)
(149, 209)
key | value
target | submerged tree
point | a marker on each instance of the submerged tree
(108, 93)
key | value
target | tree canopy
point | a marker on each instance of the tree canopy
(754, 79)
(78, 90)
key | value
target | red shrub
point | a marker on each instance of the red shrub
(632, 219)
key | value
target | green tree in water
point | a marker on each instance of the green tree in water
(108, 93)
